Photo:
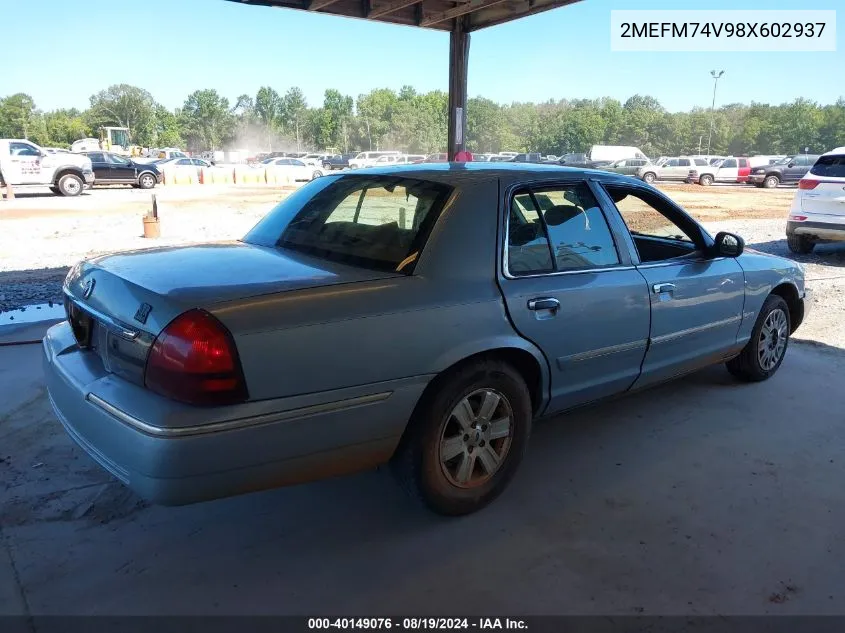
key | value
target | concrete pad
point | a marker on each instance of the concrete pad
(704, 496)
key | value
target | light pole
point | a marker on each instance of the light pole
(716, 76)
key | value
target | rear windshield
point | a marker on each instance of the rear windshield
(830, 167)
(379, 222)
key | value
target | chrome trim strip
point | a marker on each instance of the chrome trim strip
(664, 338)
(112, 325)
(580, 271)
(602, 351)
(238, 423)
(677, 262)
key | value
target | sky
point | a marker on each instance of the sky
(173, 47)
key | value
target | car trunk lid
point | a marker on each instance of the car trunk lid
(117, 304)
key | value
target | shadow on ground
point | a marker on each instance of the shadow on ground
(823, 254)
(702, 496)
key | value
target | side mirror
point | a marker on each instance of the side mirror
(791, 165)
(728, 245)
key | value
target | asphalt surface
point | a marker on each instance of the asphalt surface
(703, 496)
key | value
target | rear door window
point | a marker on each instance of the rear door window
(558, 229)
(729, 162)
(829, 167)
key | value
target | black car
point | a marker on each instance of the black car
(788, 170)
(114, 169)
(581, 161)
(530, 157)
(338, 161)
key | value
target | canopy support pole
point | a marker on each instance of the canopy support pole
(458, 60)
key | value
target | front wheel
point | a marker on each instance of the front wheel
(763, 354)
(70, 185)
(705, 180)
(649, 177)
(771, 182)
(146, 181)
(316, 174)
(466, 439)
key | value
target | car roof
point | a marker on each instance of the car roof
(476, 172)
(835, 152)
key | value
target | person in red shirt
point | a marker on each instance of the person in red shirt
(463, 157)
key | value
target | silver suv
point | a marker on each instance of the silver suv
(671, 169)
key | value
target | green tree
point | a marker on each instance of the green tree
(206, 120)
(18, 116)
(123, 105)
(268, 110)
(339, 109)
(65, 126)
(375, 115)
(294, 112)
(168, 130)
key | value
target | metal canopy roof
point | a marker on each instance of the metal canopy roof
(430, 14)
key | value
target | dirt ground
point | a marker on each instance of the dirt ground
(41, 235)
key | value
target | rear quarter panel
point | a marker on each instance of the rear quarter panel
(321, 339)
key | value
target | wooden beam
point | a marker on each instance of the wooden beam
(455, 12)
(316, 5)
(390, 7)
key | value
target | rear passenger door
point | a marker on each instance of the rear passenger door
(101, 167)
(570, 288)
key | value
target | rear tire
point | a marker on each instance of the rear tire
(763, 354)
(466, 438)
(800, 244)
(317, 174)
(649, 177)
(70, 185)
(771, 182)
(706, 180)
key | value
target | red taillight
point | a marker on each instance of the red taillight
(804, 183)
(194, 360)
(797, 218)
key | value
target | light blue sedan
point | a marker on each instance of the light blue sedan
(421, 315)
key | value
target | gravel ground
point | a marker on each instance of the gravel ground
(40, 236)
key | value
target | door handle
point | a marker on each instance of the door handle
(544, 303)
(661, 288)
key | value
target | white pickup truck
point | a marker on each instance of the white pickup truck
(23, 163)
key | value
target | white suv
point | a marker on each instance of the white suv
(818, 208)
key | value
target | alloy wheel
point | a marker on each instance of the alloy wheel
(476, 438)
(773, 337)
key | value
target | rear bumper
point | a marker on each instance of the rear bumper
(832, 231)
(144, 441)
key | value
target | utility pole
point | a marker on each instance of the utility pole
(716, 76)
